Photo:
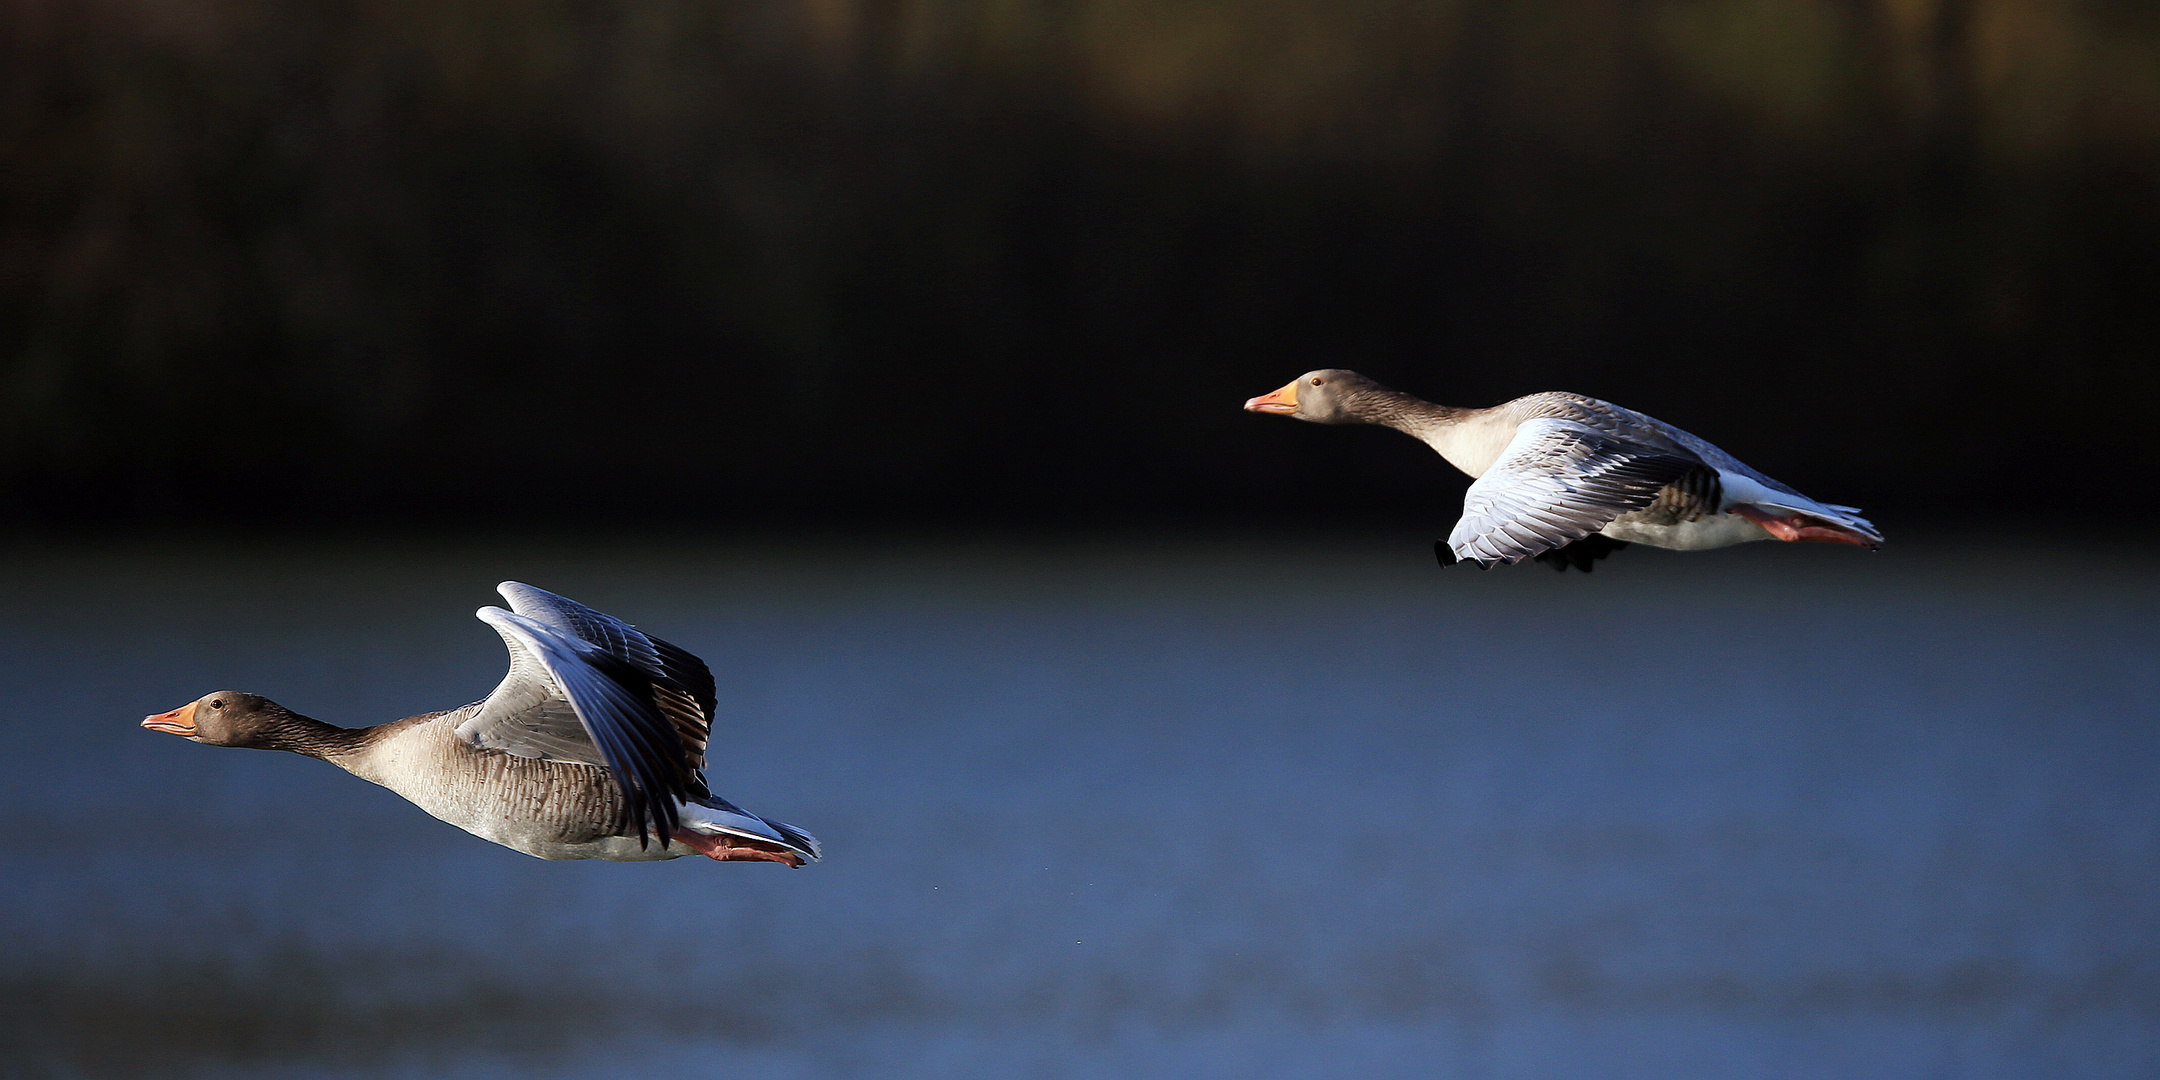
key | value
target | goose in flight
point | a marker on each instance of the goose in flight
(593, 746)
(1567, 479)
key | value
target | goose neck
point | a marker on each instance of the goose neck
(307, 735)
(1403, 412)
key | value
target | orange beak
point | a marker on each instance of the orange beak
(1281, 401)
(180, 721)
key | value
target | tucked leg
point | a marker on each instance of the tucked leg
(735, 848)
(1800, 527)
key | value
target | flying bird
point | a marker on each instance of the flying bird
(1567, 479)
(592, 747)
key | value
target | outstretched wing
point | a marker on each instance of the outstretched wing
(1556, 482)
(528, 714)
(685, 685)
(587, 688)
(612, 701)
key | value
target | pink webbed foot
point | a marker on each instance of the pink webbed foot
(1800, 528)
(735, 848)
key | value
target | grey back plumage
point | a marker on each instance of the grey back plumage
(1640, 429)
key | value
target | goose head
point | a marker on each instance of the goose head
(1326, 396)
(229, 718)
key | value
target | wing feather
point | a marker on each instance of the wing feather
(688, 697)
(1556, 482)
(527, 715)
(613, 700)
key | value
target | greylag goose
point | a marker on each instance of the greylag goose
(593, 746)
(1568, 480)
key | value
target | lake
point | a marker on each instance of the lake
(1116, 808)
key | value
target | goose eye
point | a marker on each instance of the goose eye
(218, 704)
(1317, 382)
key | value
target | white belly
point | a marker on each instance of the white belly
(537, 838)
(610, 848)
(1714, 531)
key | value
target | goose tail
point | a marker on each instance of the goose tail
(721, 830)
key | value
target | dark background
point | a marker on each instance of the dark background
(720, 263)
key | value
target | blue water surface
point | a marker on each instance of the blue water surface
(1109, 808)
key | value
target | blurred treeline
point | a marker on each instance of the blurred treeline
(709, 262)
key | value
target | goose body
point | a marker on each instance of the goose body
(1568, 479)
(592, 747)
